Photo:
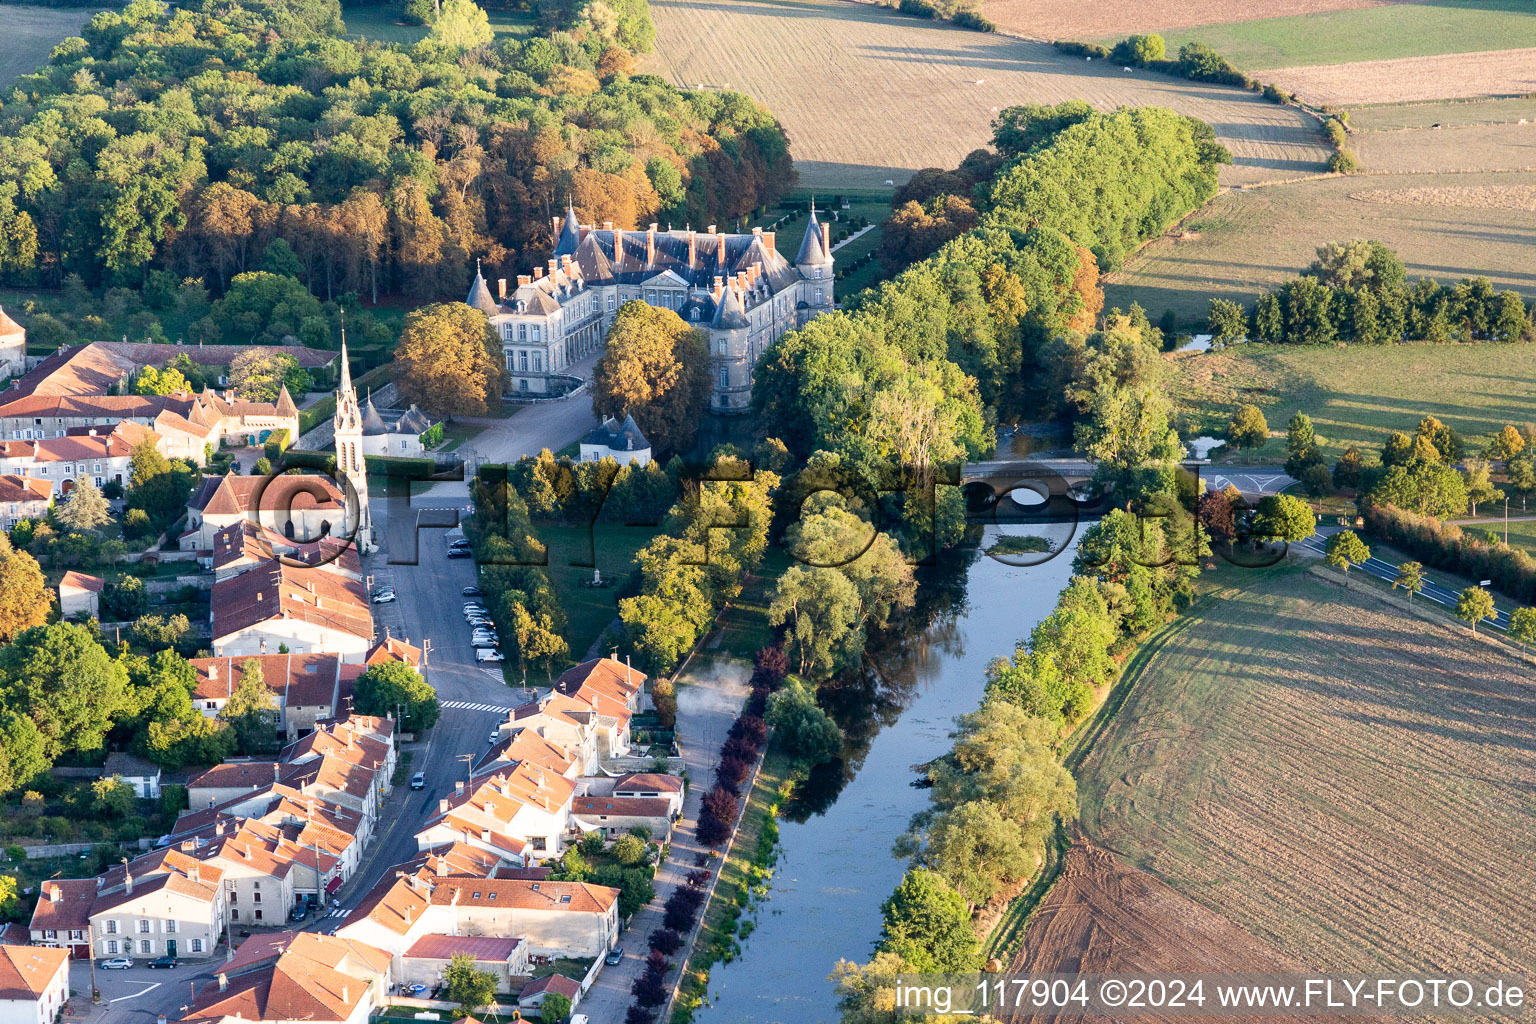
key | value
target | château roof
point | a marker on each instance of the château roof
(729, 314)
(480, 294)
(570, 234)
(619, 437)
(812, 253)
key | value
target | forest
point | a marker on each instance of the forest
(186, 140)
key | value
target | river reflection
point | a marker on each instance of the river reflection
(836, 867)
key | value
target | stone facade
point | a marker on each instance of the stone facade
(738, 288)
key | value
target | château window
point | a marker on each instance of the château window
(725, 377)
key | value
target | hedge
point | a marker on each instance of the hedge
(1447, 547)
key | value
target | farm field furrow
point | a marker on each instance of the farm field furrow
(1502, 72)
(1443, 226)
(867, 95)
(1503, 147)
(1073, 19)
(1357, 398)
(31, 33)
(1397, 116)
(1346, 783)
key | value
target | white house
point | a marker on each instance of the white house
(296, 976)
(80, 594)
(622, 442)
(142, 776)
(34, 984)
(23, 497)
(306, 610)
(399, 437)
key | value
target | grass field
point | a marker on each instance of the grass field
(1480, 147)
(868, 95)
(1388, 117)
(1073, 19)
(1370, 33)
(1347, 784)
(31, 33)
(589, 610)
(1255, 239)
(1358, 396)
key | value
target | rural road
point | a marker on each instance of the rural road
(1382, 570)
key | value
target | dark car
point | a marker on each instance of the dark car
(168, 962)
(473, 592)
(298, 913)
(459, 553)
(614, 956)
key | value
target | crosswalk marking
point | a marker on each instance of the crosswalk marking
(340, 913)
(459, 705)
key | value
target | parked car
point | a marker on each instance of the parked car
(419, 780)
(484, 642)
(473, 592)
(614, 956)
(488, 654)
(298, 913)
(168, 962)
(117, 963)
(495, 737)
(384, 597)
(459, 553)
(458, 543)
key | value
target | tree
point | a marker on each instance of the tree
(1422, 487)
(1316, 480)
(259, 375)
(656, 368)
(112, 797)
(1473, 605)
(251, 711)
(1346, 472)
(469, 987)
(1521, 471)
(1228, 322)
(23, 756)
(1215, 512)
(1507, 444)
(1248, 428)
(384, 688)
(1302, 445)
(1410, 576)
(1284, 517)
(537, 639)
(1345, 549)
(448, 360)
(152, 381)
(1522, 626)
(86, 508)
(461, 25)
(65, 682)
(1479, 485)
(928, 925)
(806, 730)
(974, 847)
(556, 1006)
(630, 850)
(124, 599)
(24, 596)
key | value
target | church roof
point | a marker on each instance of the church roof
(9, 326)
(373, 423)
(286, 405)
(812, 252)
(480, 294)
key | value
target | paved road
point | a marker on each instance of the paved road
(1438, 593)
(705, 710)
(135, 996)
(1251, 480)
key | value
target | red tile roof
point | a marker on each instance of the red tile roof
(648, 781)
(488, 948)
(621, 806)
(552, 983)
(72, 907)
(273, 590)
(523, 894)
(82, 581)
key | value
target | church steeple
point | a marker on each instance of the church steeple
(348, 432)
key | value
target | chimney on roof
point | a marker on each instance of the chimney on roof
(127, 881)
(485, 835)
(524, 279)
(538, 273)
(501, 288)
(607, 225)
(757, 232)
(711, 229)
(223, 981)
(276, 772)
(442, 864)
(193, 874)
(553, 263)
(565, 263)
(458, 787)
(650, 245)
(718, 288)
(693, 249)
(720, 254)
(826, 237)
(768, 237)
(555, 223)
(343, 993)
(55, 894)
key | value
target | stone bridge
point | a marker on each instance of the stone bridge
(1047, 477)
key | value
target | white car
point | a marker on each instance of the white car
(117, 963)
(384, 597)
(488, 654)
(493, 738)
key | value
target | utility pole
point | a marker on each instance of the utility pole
(469, 767)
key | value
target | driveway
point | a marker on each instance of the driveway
(137, 995)
(707, 703)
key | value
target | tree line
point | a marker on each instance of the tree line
(1358, 292)
(191, 140)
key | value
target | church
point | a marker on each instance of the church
(740, 289)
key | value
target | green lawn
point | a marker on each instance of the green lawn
(1358, 395)
(588, 611)
(31, 33)
(1372, 33)
(383, 23)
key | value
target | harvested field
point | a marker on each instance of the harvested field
(1102, 917)
(1484, 147)
(1396, 116)
(868, 95)
(1411, 79)
(1258, 238)
(31, 33)
(1347, 783)
(1479, 197)
(1369, 34)
(1073, 19)
(1359, 397)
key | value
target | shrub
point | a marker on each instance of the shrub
(731, 772)
(1077, 49)
(1316, 480)
(738, 747)
(1343, 162)
(591, 843)
(649, 989)
(640, 1015)
(920, 8)
(1275, 94)
(1336, 133)
(656, 962)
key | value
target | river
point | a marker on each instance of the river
(836, 866)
